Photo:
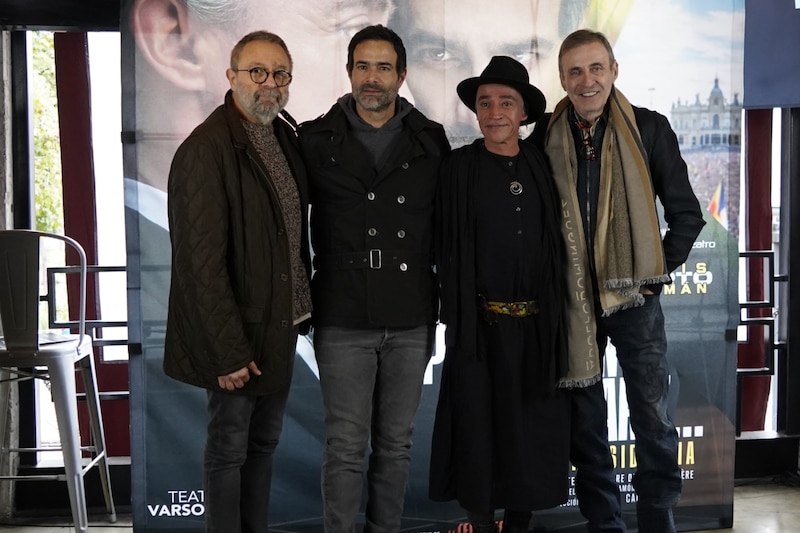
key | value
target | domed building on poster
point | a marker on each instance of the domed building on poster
(714, 124)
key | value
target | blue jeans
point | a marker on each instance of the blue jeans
(641, 342)
(243, 432)
(371, 383)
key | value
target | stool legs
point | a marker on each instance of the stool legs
(61, 371)
(98, 435)
(62, 383)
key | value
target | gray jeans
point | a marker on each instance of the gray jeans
(243, 431)
(371, 383)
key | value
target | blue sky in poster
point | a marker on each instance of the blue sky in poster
(704, 6)
(673, 50)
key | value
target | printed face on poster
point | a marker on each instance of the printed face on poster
(682, 58)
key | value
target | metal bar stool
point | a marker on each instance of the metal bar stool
(24, 346)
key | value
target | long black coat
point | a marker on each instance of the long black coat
(498, 382)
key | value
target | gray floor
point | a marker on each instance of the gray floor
(757, 508)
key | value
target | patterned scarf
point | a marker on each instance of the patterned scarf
(627, 250)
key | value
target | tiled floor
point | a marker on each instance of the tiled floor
(759, 507)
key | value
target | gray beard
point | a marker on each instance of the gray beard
(266, 116)
(267, 111)
(375, 104)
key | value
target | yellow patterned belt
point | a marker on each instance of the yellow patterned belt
(518, 309)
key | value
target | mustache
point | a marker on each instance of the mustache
(373, 87)
(268, 93)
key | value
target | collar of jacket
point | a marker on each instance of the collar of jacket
(285, 133)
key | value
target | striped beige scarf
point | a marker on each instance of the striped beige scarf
(627, 250)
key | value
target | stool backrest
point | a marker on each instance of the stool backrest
(20, 263)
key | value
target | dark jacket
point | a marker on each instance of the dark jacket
(670, 182)
(231, 291)
(371, 231)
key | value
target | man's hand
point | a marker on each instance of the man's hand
(236, 380)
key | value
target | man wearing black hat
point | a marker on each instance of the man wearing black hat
(501, 433)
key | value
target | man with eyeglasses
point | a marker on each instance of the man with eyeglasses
(172, 82)
(373, 164)
(237, 199)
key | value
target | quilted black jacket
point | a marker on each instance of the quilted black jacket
(230, 298)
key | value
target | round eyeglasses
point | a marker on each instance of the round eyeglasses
(259, 75)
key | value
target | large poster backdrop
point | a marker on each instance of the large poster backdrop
(680, 57)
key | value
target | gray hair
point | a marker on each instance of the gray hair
(582, 37)
(259, 35)
(222, 12)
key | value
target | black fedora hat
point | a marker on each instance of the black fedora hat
(505, 70)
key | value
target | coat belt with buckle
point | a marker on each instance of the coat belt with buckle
(373, 259)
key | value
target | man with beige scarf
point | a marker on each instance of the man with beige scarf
(611, 160)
